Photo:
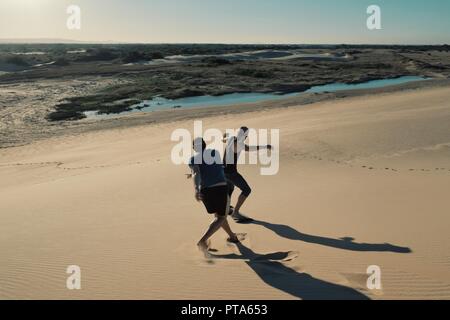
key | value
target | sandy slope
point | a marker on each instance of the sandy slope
(375, 169)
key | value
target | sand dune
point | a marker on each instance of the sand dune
(363, 181)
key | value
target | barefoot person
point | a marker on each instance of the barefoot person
(235, 145)
(212, 189)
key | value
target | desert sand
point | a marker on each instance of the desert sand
(363, 181)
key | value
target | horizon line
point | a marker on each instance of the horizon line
(69, 41)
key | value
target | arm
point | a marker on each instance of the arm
(197, 181)
(257, 148)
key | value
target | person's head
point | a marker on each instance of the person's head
(243, 132)
(199, 145)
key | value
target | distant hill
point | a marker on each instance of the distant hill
(47, 41)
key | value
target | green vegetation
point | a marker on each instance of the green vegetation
(208, 75)
(254, 73)
(75, 108)
(17, 60)
(62, 62)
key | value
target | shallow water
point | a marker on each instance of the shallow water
(159, 103)
(33, 53)
(77, 51)
(333, 87)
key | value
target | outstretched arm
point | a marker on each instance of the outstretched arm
(257, 148)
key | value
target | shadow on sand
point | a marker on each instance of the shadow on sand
(343, 243)
(281, 277)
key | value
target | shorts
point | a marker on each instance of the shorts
(215, 200)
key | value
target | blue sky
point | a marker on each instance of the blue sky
(230, 21)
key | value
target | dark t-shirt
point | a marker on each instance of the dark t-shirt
(211, 173)
(230, 158)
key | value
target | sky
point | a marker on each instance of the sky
(229, 21)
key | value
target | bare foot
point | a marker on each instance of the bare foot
(238, 238)
(204, 248)
(233, 239)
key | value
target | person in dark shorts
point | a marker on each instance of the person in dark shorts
(212, 189)
(233, 149)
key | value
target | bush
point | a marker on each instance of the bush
(17, 60)
(253, 73)
(135, 56)
(156, 55)
(101, 54)
(64, 115)
(215, 62)
(61, 62)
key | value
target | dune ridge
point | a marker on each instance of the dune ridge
(363, 181)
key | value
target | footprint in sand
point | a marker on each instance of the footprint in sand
(359, 281)
(241, 236)
(211, 253)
